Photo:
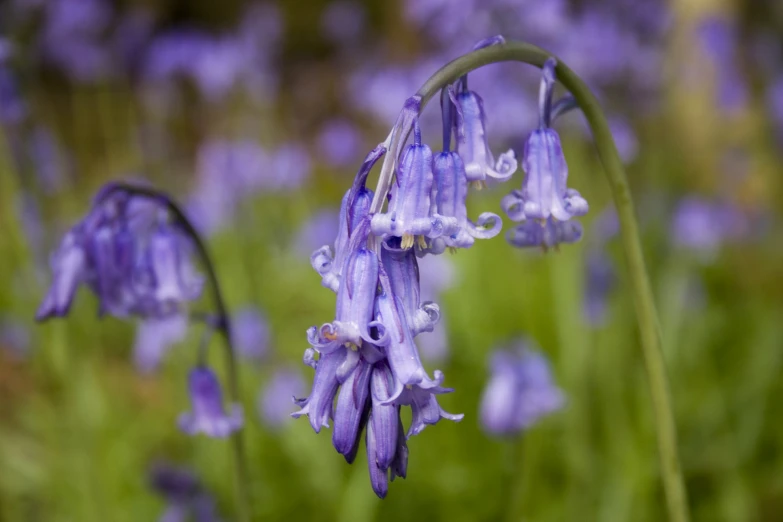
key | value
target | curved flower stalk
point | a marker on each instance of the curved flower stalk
(133, 250)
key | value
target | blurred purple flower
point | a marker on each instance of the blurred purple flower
(718, 38)
(343, 22)
(625, 138)
(520, 391)
(72, 38)
(131, 37)
(6, 50)
(319, 230)
(154, 338)
(250, 332)
(775, 103)
(340, 143)
(289, 169)
(15, 338)
(275, 403)
(208, 415)
(185, 497)
(703, 225)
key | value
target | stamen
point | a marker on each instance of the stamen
(407, 241)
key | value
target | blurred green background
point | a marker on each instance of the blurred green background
(701, 111)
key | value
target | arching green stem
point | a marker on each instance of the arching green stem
(223, 325)
(671, 472)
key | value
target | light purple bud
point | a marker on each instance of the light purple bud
(208, 416)
(385, 417)
(350, 407)
(472, 144)
(379, 478)
(175, 281)
(403, 272)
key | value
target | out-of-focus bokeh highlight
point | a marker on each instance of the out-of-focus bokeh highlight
(255, 116)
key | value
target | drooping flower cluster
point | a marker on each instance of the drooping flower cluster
(545, 205)
(368, 359)
(520, 391)
(131, 253)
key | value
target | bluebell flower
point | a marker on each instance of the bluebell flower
(274, 400)
(13, 108)
(186, 499)
(208, 415)
(472, 142)
(449, 194)
(409, 213)
(131, 256)
(702, 226)
(520, 391)
(718, 38)
(319, 405)
(544, 192)
(354, 320)
(600, 279)
(339, 142)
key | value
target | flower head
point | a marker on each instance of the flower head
(546, 235)
(520, 391)
(472, 143)
(131, 254)
(208, 415)
(409, 213)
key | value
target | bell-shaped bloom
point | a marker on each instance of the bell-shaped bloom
(208, 415)
(70, 268)
(402, 269)
(450, 192)
(385, 416)
(409, 213)
(472, 143)
(355, 304)
(546, 235)
(545, 192)
(131, 253)
(329, 264)
(402, 353)
(520, 391)
(318, 406)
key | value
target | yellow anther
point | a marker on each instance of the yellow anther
(407, 241)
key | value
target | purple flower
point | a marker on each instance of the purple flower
(274, 401)
(719, 41)
(318, 405)
(449, 193)
(131, 256)
(520, 391)
(250, 333)
(408, 215)
(354, 320)
(185, 497)
(339, 142)
(13, 109)
(208, 415)
(774, 101)
(472, 143)
(154, 337)
(544, 191)
(702, 225)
